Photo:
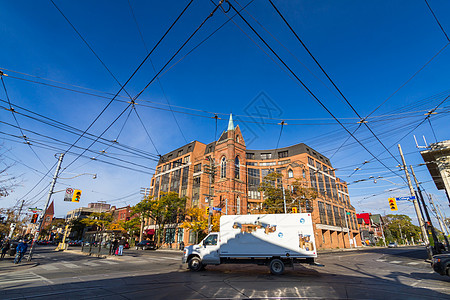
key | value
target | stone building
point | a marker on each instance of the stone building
(238, 174)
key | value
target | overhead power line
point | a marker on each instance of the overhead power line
(308, 90)
(154, 70)
(437, 21)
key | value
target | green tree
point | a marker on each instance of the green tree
(100, 220)
(297, 193)
(400, 226)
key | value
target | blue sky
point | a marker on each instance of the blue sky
(371, 49)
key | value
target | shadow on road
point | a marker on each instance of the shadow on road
(230, 282)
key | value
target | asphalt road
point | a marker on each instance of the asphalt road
(400, 273)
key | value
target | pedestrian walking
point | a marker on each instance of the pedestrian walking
(115, 247)
(21, 249)
(121, 246)
(5, 247)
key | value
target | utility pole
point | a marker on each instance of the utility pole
(284, 198)
(444, 231)
(400, 228)
(13, 226)
(443, 220)
(210, 169)
(50, 192)
(433, 231)
(416, 205)
(348, 228)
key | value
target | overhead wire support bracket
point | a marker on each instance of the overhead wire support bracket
(362, 121)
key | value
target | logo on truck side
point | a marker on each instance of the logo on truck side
(302, 221)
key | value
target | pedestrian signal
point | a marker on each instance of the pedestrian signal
(393, 204)
(294, 210)
(76, 196)
(34, 218)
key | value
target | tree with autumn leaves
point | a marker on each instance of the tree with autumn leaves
(167, 209)
(197, 222)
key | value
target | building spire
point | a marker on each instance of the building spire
(230, 123)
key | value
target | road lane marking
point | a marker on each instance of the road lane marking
(413, 263)
(381, 260)
(91, 264)
(108, 262)
(395, 262)
(43, 278)
(49, 267)
(172, 258)
(70, 265)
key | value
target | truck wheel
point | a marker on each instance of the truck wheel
(195, 264)
(276, 267)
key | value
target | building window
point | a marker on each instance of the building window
(251, 163)
(266, 155)
(282, 154)
(329, 215)
(186, 159)
(253, 183)
(238, 140)
(268, 163)
(322, 214)
(180, 152)
(250, 155)
(223, 168)
(311, 161)
(236, 167)
(290, 174)
(197, 168)
(238, 205)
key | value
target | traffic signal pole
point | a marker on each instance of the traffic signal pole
(433, 231)
(416, 206)
(50, 192)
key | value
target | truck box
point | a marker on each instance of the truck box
(268, 235)
(268, 239)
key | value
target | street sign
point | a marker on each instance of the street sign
(406, 198)
(69, 194)
(217, 208)
(34, 209)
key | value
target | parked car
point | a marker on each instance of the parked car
(145, 245)
(441, 264)
(393, 245)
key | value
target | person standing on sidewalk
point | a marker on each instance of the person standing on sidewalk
(121, 246)
(5, 247)
(20, 251)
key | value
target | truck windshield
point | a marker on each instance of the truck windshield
(210, 240)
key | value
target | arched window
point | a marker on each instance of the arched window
(223, 168)
(238, 140)
(238, 205)
(236, 167)
(290, 174)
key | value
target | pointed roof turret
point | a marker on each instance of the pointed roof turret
(230, 123)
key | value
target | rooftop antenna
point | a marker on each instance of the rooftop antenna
(417, 145)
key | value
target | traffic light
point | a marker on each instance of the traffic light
(34, 218)
(393, 204)
(207, 210)
(294, 210)
(76, 196)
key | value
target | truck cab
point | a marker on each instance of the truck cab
(204, 253)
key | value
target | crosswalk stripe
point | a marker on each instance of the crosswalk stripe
(49, 267)
(395, 262)
(173, 258)
(108, 262)
(12, 278)
(381, 260)
(91, 264)
(70, 265)
(413, 263)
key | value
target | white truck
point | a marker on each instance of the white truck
(273, 240)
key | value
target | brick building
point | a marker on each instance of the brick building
(239, 172)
